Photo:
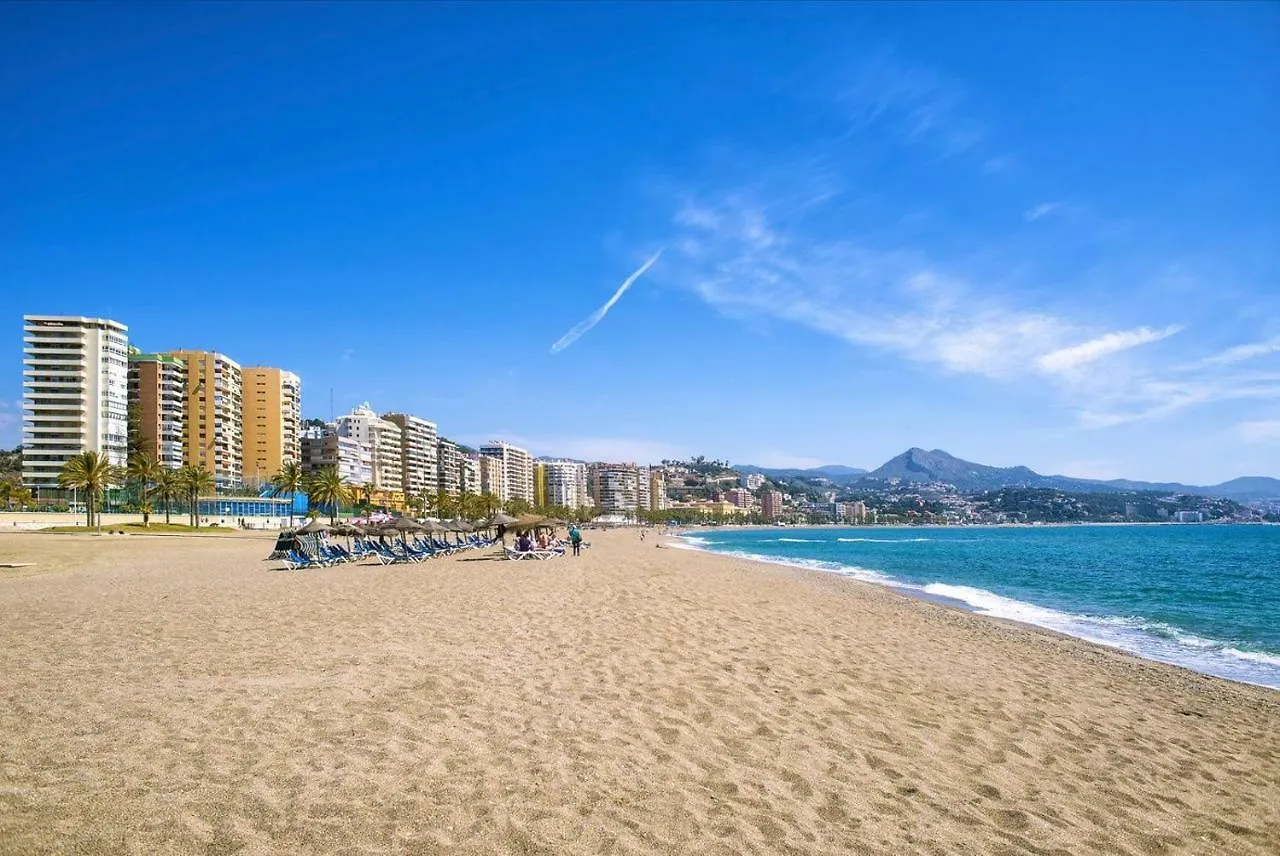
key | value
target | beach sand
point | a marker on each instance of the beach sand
(174, 695)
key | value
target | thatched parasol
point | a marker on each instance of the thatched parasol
(313, 527)
(503, 519)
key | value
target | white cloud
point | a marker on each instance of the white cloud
(1074, 356)
(915, 104)
(1240, 353)
(1042, 210)
(1266, 431)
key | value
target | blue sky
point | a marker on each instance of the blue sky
(1040, 234)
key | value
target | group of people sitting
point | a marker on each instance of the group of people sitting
(542, 545)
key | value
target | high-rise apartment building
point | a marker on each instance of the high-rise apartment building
(657, 489)
(469, 475)
(491, 475)
(272, 421)
(615, 487)
(642, 488)
(74, 393)
(771, 503)
(213, 439)
(739, 496)
(448, 466)
(158, 403)
(383, 437)
(566, 483)
(517, 470)
(325, 447)
(418, 440)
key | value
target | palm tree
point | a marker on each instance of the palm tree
(289, 481)
(165, 487)
(326, 487)
(144, 470)
(443, 504)
(367, 489)
(93, 473)
(193, 481)
(489, 504)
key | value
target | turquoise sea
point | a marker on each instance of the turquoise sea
(1203, 597)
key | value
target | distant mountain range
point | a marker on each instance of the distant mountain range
(918, 465)
(834, 472)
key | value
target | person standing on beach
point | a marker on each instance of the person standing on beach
(575, 538)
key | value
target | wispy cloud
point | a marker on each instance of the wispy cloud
(1240, 353)
(916, 104)
(1262, 431)
(749, 263)
(1065, 359)
(1044, 209)
(596, 317)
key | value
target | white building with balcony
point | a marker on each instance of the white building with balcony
(75, 381)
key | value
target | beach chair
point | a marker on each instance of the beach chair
(297, 561)
(531, 555)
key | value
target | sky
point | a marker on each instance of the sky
(1039, 234)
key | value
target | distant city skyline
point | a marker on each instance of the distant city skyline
(1028, 235)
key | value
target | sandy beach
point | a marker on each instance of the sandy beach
(175, 695)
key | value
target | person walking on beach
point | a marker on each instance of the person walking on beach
(575, 538)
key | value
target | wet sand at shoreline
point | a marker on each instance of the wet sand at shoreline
(173, 695)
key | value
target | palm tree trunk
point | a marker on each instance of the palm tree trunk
(292, 494)
(166, 510)
(93, 503)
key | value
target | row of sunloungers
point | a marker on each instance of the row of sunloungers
(398, 552)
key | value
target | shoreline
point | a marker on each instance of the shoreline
(633, 700)
(912, 591)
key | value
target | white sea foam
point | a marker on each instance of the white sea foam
(800, 540)
(882, 540)
(1154, 640)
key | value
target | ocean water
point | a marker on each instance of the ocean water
(1203, 597)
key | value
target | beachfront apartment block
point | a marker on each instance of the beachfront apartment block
(213, 435)
(325, 447)
(383, 437)
(491, 480)
(418, 450)
(469, 475)
(615, 488)
(657, 489)
(448, 466)
(564, 483)
(271, 420)
(739, 496)
(158, 406)
(517, 470)
(74, 393)
(771, 503)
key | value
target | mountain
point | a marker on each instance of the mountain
(835, 473)
(918, 465)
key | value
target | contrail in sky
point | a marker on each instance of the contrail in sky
(594, 318)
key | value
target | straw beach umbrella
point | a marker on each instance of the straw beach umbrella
(314, 527)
